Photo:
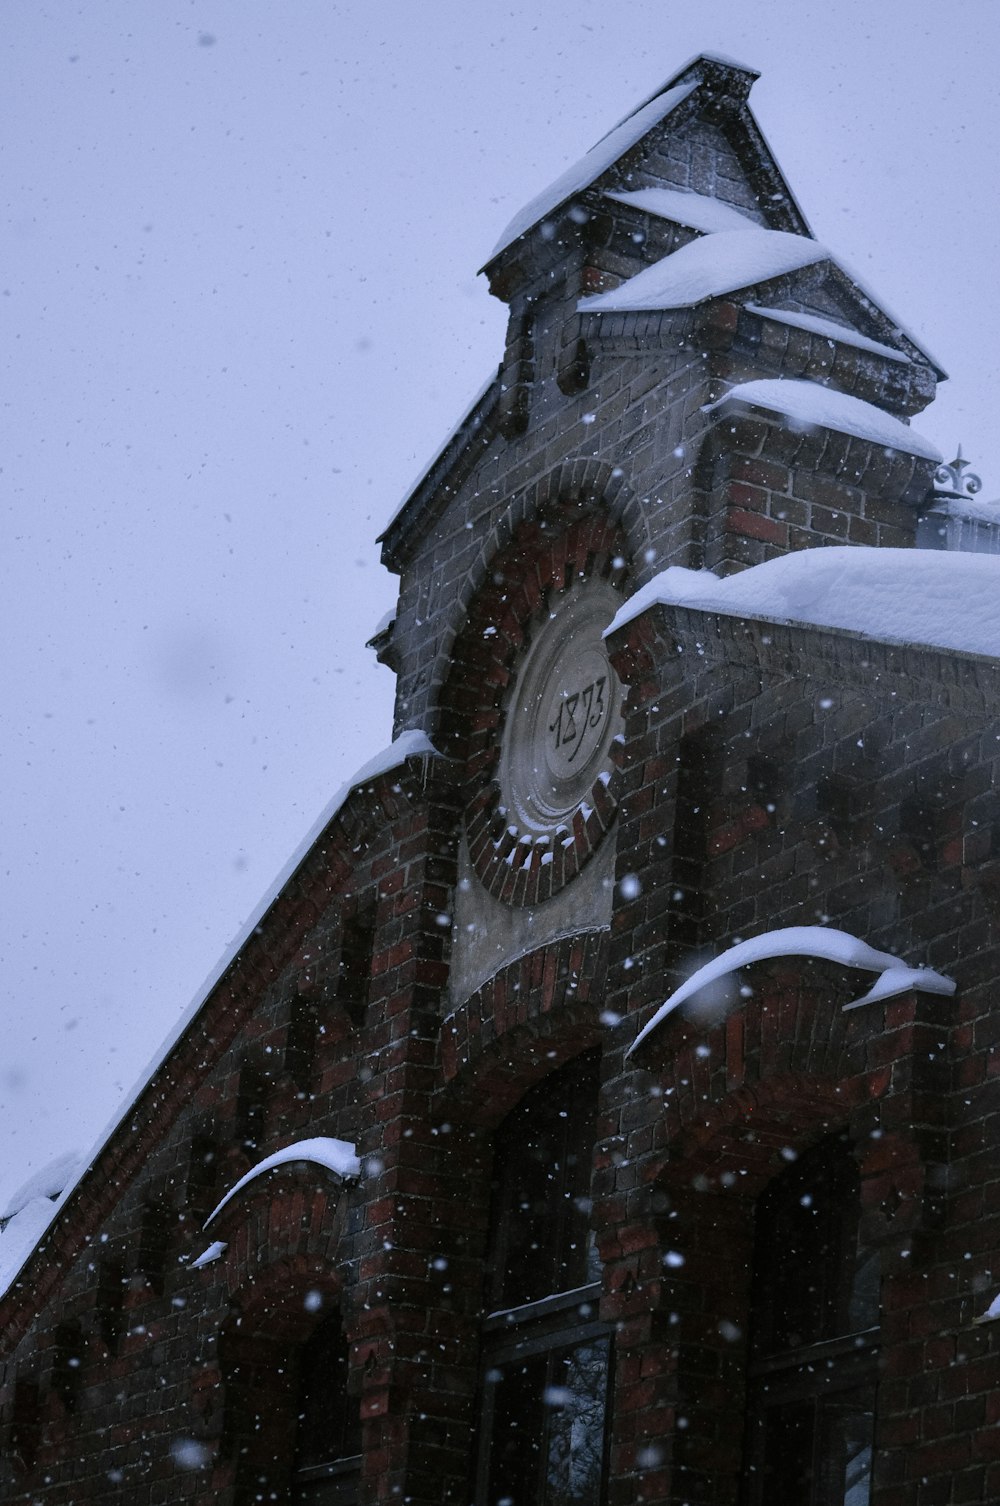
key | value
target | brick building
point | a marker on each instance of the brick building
(434, 1199)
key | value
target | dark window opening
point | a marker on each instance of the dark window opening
(929, 821)
(251, 1105)
(546, 1357)
(845, 803)
(67, 1364)
(26, 1423)
(814, 1338)
(154, 1240)
(699, 777)
(327, 1462)
(300, 1042)
(203, 1162)
(765, 782)
(111, 1284)
(290, 1428)
(357, 943)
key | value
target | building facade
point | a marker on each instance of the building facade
(604, 1110)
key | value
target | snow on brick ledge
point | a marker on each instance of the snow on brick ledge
(992, 1313)
(695, 210)
(808, 406)
(946, 600)
(335, 1156)
(814, 325)
(708, 268)
(806, 941)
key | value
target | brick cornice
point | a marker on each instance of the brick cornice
(800, 650)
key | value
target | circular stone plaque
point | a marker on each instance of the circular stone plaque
(563, 714)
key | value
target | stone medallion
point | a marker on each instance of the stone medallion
(550, 801)
(562, 715)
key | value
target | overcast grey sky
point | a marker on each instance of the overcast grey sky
(239, 311)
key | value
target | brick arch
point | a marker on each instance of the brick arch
(585, 485)
(521, 1024)
(723, 1108)
(283, 1279)
(791, 1035)
(753, 1132)
(280, 1231)
(568, 536)
(572, 488)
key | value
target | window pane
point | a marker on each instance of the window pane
(547, 1418)
(546, 1362)
(813, 1281)
(847, 1433)
(575, 1413)
(541, 1210)
(517, 1431)
(788, 1453)
(816, 1298)
(329, 1426)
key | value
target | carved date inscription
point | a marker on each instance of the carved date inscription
(579, 712)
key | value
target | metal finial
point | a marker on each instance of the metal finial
(951, 481)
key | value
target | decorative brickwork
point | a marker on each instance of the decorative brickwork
(425, 966)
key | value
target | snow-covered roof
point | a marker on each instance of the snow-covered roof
(48, 1182)
(696, 210)
(810, 405)
(30, 1211)
(817, 326)
(20, 1236)
(335, 1156)
(946, 600)
(412, 743)
(440, 452)
(600, 157)
(708, 268)
(823, 942)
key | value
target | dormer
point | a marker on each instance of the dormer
(639, 194)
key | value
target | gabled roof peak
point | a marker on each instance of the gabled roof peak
(717, 72)
(720, 75)
(720, 87)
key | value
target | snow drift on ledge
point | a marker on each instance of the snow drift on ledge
(696, 210)
(809, 405)
(335, 1156)
(708, 268)
(925, 596)
(824, 942)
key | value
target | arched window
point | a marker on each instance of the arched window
(546, 1357)
(292, 1431)
(326, 1467)
(814, 1337)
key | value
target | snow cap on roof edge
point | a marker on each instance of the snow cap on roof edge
(607, 150)
(699, 211)
(597, 161)
(941, 599)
